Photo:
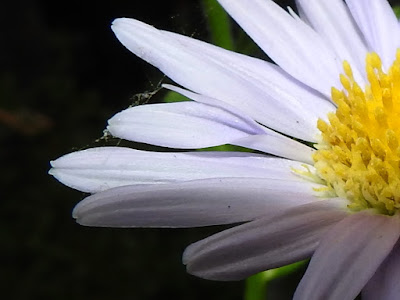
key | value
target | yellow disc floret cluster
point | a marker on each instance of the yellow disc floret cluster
(359, 152)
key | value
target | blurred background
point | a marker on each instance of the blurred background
(63, 75)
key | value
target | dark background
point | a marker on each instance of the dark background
(62, 75)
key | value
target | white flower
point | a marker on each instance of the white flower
(337, 202)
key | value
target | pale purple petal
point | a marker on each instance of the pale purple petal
(185, 125)
(291, 43)
(385, 284)
(379, 25)
(218, 104)
(221, 76)
(269, 142)
(348, 256)
(277, 145)
(332, 20)
(191, 125)
(97, 169)
(192, 203)
(277, 239)
(300, 13)
(292, 96)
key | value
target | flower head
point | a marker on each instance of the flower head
(335, 84)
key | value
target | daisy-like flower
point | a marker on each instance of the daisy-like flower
(335, 85)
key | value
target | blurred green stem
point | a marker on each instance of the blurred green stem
(219, 24)
(256, 285)
(396, 9)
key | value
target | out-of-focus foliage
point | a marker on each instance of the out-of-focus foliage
(396, 10)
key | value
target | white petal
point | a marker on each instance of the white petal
(332, 20)
(301, 14)
(379, 25)
(385, 284)
(348, 256)
(97, 169)
(292, 44)
(219, 104)
(272, 241)
(190, 125)
(282, 90)
(268, 142)
(182, 125)
(191, 203)
(219, 74)
(278, 145)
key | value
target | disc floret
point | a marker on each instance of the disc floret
(358, 155)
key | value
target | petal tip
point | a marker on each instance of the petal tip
(52, 171)
(119, 21)
(76, 213)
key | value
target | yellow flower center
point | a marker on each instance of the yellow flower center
(358, 155)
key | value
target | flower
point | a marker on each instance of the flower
(335, 84)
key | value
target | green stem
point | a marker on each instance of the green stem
(219, 24)
(256, 287)
(396, 10)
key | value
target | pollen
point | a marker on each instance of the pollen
(358, 155)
